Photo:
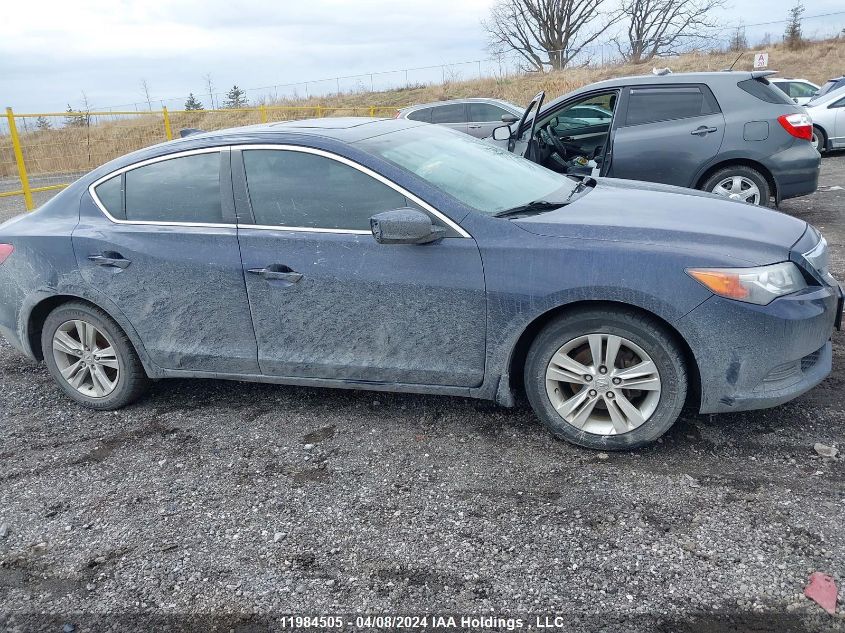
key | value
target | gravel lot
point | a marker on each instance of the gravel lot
(248, 501)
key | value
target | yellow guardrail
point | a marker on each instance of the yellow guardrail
(48, 146)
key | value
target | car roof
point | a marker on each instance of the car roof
(502, 102)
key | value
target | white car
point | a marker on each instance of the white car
(828, 114)
(801, 90)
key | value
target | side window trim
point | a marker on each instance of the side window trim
(158, 159)
(243, 201)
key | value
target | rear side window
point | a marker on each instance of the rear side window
(298, 189)
(486, 112)
(421, 115)
(110, 194)
(184, 189)
(797, 89)
(455, 113)
(765, 91)
(648, 105)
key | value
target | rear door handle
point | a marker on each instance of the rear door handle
(113, 260)
(475, 127)
(701, 131)
(277, 272)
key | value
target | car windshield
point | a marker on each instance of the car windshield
(477, 173)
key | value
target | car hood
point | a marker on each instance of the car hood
(672, 217)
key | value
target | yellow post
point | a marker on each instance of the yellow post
(263, 110)
(16, 145)
(167, 131)
(319, 111)
(372, 111)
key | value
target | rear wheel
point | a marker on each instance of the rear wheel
(606, 379)
(740, 182)
(91, 358)
(819, 139)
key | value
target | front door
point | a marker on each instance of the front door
(666, 134)
(328, 301)
(160, 241)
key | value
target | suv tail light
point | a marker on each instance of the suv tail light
(5, 251)
(798, 125)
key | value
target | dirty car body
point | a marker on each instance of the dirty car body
(269, 270)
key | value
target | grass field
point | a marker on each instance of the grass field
(71, 150)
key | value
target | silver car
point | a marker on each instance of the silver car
(828, 114)
(800, 90)
(476, 117)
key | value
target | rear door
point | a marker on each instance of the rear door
(328, 301)
(452, 115)
(837, 139)
(483, 117)
(159, 239)
(666, 133)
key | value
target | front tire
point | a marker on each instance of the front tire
(91, 358)
(739, 182)
(606, 379)
(819, 139)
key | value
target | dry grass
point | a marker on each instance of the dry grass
(70, 150)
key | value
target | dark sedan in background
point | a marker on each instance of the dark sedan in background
(394, 255)
(730, 133)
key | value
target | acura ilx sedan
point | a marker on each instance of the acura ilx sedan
(399, 256)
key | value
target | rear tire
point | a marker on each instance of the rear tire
(91, 358)
(620, 418)
(819, 139)
(738, 182)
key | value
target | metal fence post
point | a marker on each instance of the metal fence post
(263, 110)
(167, 131)
(16, 145)
(372, 111)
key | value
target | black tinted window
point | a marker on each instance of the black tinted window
(647, 105)
(110, 194)
(764, 91)
(486, 112)
(185, 189)
(421, 115)
(455, 113)
(288, 188)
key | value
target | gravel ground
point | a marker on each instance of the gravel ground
(248, 501)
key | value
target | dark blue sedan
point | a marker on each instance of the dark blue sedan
(394, 255)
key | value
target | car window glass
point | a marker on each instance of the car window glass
(486, 112)
(184, 189)
(800, 90)
(423, 114)
(761, 88)
(587, 112)
(299, 189)
(453, 113)
(110, 194)
(647, 105)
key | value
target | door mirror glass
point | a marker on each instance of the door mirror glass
(502, 133)
(509, 118)
(404, 226)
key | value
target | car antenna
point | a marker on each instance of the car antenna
(727, 70)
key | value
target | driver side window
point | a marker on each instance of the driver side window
(589, 112)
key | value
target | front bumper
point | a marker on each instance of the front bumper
(754, 357)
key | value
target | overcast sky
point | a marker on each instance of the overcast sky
(50, 53)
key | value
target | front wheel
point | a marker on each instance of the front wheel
(606, 379)
(819, 139)
(739, 182)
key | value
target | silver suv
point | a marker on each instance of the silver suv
(476, 117)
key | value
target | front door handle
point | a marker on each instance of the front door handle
(277, 272)
(113, 260)
(701, 131)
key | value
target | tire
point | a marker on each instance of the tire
(120, 376)
(819, 139)
(641, 338)
(739, 174)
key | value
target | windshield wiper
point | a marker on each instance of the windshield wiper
(538, 206)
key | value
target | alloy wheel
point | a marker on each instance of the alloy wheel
(738, 188)
(603, 384)
(86, 358)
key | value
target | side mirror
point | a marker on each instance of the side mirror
(509, 118)
(502, 133)
(404, 226)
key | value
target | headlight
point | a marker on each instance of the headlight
(758, 285)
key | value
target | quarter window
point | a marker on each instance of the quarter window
(453, 113)
(486, 112)
(648, 105)
(110, 194)
(183, 189)
(299, 189)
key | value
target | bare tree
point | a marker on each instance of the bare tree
(738, 41)
(660, 27)
(146, 88)
(547, 33)
(793, 36)
(209, 84)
